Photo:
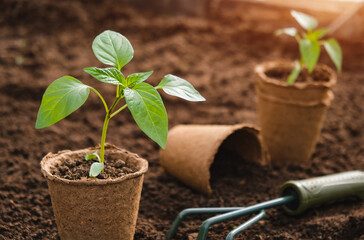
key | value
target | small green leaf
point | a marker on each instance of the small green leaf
(113, 49)
(333, 49)
(310, 52)
(306, 21)
(62, 97)
(316, 35)
(96, 169)
(146, 106)
(136, 78)
(288, 31)
(294, 74)
(179, 87)
(92, 156)
(106, 75)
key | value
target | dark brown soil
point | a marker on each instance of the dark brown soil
(43, 40)
(75, 169)
(317, 75)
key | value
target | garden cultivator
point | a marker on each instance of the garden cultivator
(295, 197)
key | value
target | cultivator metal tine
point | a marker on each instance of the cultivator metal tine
(202, 234)
(197, 211)
(245, 225)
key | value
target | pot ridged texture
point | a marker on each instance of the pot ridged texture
(191, 150)
(291, 116)
(95, 208)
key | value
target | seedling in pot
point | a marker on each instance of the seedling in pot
(66, 94)
(310, 42)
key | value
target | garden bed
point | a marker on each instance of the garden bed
(43, 40)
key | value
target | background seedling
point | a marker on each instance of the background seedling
(66, 94)
(310, 44)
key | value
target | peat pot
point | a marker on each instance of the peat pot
(95, 208)
(191, 151)
(291, 116)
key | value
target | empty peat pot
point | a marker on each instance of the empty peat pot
(95, 208)
(191, 150)
(291, 116)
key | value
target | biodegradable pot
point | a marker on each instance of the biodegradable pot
(95, 208)
(191, 150)
(291, 116)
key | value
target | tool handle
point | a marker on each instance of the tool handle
(316, 191)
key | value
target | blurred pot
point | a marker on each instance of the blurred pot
(291, 116)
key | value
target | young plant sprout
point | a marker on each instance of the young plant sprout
(309, 44)
(66, 94)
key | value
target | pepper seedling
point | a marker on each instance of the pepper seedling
(310, 43)
(66, 94)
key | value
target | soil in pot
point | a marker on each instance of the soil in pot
(317, 75)
(78, 168)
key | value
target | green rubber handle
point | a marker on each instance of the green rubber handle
(316, 191)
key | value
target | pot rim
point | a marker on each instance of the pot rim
(260, 70)
(45, 165)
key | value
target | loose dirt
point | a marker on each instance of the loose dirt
(78, 168)
(41, 41)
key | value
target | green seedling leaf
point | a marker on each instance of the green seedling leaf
(113, 49)
(294, 74)
(96, 169)
(146, 106)
(333, 49)
(179, 87)
(316, 35)
(135, 78)
(106, 75)
(92, 156)
(310, 52)
(62, 97)
(306, 21)
(288, 31)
